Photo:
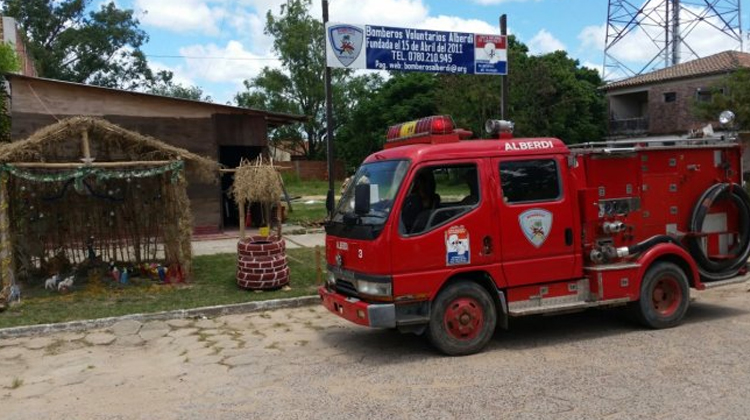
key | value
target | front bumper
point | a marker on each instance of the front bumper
(362, 313)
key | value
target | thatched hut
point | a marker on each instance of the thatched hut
(84, 190)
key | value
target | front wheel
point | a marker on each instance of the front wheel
(463, 319)
(665, 296)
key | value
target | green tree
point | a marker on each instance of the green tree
(732, 93)
(9, 61)
(298, 86)
(166, 86)
(550, 95)
(403, 97)
(68, 42)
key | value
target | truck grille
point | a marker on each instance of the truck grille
(346, 288)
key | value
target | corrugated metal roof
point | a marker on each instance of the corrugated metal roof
(714, 64)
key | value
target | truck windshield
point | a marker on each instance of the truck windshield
(384, 179)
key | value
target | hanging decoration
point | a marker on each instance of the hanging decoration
(100, 174)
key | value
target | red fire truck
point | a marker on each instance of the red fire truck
(451, 237)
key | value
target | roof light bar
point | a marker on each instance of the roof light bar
(436, 124)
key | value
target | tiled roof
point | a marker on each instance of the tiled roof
(714, 64)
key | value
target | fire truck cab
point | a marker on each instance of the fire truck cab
(451, 237)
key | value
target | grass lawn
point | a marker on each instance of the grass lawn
(297, 187)
(213, 284)
(311, 209)
(307, 214)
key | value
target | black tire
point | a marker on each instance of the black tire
(473, 305)
(665, 297)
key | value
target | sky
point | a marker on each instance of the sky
(217, 44)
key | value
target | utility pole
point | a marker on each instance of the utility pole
(504, 78)
(331, 197)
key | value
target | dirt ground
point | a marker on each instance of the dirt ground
(306, 363)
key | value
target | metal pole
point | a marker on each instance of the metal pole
(504, 78)
(676, 35)
(667, 28)
(330, 198)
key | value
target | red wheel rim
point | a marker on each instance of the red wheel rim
(464, 318)
(666, 296)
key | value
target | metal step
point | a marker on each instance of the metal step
(517, 310)
(733, 280)
(539, 304)
(564, 307)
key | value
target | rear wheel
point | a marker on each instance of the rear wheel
(463, 319)
(665, 296)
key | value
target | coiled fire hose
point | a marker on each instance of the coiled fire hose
(711, 269)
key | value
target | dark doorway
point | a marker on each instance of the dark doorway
(230, 157)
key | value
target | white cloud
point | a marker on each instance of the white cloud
(453, 23)
(232, 63)
(183, 15)
(593, 66)
(179, 74)
(593, 37)
(380, 12)
(544, 42)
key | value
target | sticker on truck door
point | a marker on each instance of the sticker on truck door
(457, 246)
(536, 224)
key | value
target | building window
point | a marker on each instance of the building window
(703, 95)
(670, 96)
(526, 181)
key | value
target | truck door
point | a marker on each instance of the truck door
(536, 219)
(444, 225)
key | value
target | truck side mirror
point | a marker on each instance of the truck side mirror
(362, 198)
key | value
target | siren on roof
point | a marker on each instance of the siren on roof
(434, 130)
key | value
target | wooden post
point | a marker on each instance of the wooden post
(278, 219)
(86, 147)
(242, 219)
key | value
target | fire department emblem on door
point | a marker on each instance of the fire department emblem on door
(346, 41)
(536, 224)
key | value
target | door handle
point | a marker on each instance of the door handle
(568, 236)
(486, 245)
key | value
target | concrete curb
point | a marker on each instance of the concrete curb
(206, 311)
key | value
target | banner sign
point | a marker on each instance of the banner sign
(402, 49)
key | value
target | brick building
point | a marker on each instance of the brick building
(660, 102)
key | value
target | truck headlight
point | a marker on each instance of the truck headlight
(373, 288)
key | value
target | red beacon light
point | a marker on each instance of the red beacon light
(429, 130)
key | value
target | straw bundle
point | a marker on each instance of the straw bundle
(256, 182)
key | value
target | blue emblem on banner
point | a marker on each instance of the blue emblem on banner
(346, 41)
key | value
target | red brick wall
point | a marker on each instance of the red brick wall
(676, 117)
(315, 169)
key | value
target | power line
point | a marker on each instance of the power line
(197, 57)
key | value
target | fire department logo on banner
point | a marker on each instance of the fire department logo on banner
(536, 224)
(457, 246)
(346, 42)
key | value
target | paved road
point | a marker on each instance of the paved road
(305, 363)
